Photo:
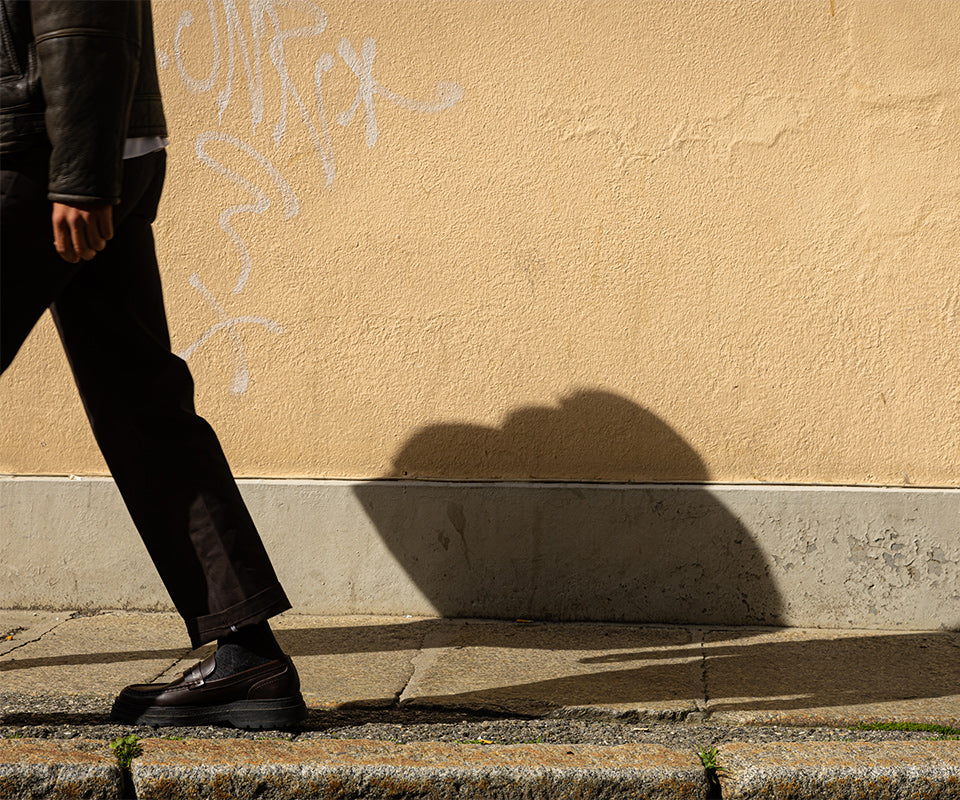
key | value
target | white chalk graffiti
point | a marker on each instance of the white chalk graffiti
(241, 373)
(263, 14)
(362, 66)
(291, 206)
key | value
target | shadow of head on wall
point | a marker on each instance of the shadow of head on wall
(593, 509)
(588, 436)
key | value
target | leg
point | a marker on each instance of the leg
(165, 459)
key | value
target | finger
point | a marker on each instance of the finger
(63, 242)
(92, 232)
(78, 236)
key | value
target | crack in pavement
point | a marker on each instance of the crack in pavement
(46, 628)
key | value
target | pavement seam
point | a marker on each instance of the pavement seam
(703, 702)
(398, 695)
(185, 656)
(432, 645)
(166, 669)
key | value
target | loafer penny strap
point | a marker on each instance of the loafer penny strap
(199, 673)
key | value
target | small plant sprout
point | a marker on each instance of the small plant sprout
(126, 748)
(709, 757)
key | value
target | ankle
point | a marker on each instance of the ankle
(257, 639)
(245, 648)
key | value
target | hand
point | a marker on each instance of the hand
(81, 231)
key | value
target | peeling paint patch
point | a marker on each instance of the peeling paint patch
(760, 120)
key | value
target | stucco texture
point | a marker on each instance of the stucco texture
(723, 233)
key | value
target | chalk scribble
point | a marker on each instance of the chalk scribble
(266, 37)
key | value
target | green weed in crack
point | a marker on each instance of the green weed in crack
(710, 758)
(125, 749)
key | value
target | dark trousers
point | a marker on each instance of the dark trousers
(138, 395)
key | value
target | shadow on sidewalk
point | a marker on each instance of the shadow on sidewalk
(743, 670)
(749, 671)
(13, 663)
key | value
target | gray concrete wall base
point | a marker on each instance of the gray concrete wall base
(837, 557)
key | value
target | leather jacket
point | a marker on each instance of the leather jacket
(77, 78)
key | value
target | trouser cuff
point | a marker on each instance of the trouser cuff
(258, 608)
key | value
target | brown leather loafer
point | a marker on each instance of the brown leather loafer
(267, 696)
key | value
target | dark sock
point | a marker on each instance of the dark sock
(245, 648)
(258, 639)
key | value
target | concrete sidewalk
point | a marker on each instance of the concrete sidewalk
(61, 671)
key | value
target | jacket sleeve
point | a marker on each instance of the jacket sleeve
(88, 54)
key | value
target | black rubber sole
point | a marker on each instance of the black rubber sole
(251, 715)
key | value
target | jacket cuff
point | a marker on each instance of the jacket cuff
(81, 199)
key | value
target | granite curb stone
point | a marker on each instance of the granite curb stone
(375, 770)
(849, 770)
(37, 769)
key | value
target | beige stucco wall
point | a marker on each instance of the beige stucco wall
(598, 240)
